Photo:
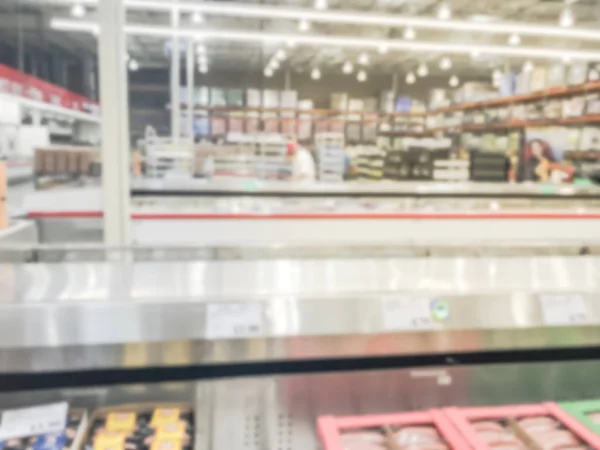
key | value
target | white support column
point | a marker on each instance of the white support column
(175, 74)
(115, 122)
(190, 89)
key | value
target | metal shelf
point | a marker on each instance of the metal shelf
(193, 187)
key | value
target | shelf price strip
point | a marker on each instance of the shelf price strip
(564, 309)
(226, 320)
(413, 312)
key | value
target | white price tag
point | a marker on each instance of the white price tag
(412, 312)
(234, 320)
(17, 423)
(564, 309)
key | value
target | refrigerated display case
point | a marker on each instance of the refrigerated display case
(263, 348)
(238, 214)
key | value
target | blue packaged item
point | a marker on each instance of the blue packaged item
(54, 441)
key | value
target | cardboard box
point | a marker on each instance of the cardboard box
(253, 98)
(461, 418)
(332, 429)
(73, 161)
(338, 101)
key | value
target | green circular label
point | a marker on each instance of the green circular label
(440, 310)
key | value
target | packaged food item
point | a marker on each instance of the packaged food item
(539, 426)
(121, 422)
(422, 430)
(141, 427)
(69, 439)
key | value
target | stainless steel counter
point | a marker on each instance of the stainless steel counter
(229, 186)
(107, 315)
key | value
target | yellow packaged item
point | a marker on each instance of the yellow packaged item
(166, 444)
(121, 421)
(164, 416)
(109, 441)
(171, 431)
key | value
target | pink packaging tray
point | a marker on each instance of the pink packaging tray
(461, 418)
(330, 427)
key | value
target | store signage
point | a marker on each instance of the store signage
(564, 309)
(225, 320)
(46, 419)
(20, 84)
(413, 312)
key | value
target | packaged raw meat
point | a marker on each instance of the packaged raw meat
(423, 430)
(358, 445)
(363, 436)
(417, 435)
(549, 440)
(540, 426)
(534, 424)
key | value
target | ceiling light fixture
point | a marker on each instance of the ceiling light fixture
(133, 65)
(444, 12)
(410, 78)
(496, 74)
(333, 41)
(361, 76)
(350, 17)
(347, 68)
(422, 70)
(203, 69)
(200, 49)
(382, 49)
(304, 25)
(527, 66)
(475, 54)
(280, 55)
(445, 63)
(268, 72)
(453, 81)
(315, 74)
(363, 59)
(78, 10)
(593, 75)
(566, 19)
(514, 39)
(290, 44)
(197, 18)
(274, 64)
(321, 4)
(565, 59)
(409, 33)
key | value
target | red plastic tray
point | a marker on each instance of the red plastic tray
(330, 427)
(461, 418)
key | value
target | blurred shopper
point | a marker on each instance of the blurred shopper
(303, 166)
